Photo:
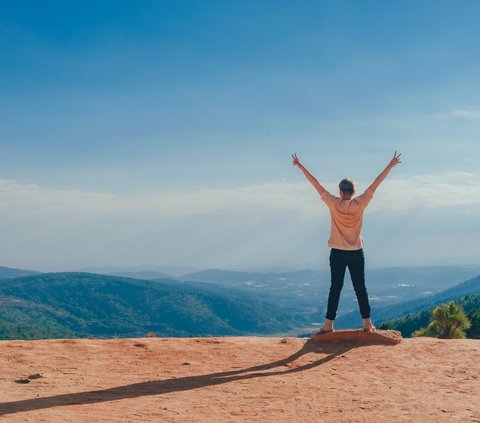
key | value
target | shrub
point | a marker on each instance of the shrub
(448, 322)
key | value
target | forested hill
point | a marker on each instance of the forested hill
(84, 304)
(9, 273)
(382, 314)
(414, 321)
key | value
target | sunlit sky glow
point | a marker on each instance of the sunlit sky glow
(160, 133)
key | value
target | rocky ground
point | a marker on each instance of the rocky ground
(240, 379)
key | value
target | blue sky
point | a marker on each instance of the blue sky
(115, 113)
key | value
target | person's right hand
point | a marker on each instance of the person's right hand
(296, 162)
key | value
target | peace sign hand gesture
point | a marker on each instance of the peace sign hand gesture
(296, 162)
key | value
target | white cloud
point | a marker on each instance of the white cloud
(460, 114)
(460, 189)
(266, 223)
(427, 191)
(29, 198)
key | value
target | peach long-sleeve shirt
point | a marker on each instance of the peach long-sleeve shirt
(346, 220)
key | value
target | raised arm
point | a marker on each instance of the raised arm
(380, 178)
(309, 176)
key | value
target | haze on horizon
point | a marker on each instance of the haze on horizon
(161, 133)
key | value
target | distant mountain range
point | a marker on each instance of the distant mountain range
(470, 287)
(304, 290)
(9, 273)
(145, 275)
(433, 277)
(82, 304)
(160, 271)
(210, 302)
(307, 290)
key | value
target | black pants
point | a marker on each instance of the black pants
(355, 261)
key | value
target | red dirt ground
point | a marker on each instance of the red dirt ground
(240, 379)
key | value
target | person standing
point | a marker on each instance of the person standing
(346, 212)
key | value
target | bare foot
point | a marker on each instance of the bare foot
(322, 331)
(327, 327)
(368, 325)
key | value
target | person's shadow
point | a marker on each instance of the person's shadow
(159, 387)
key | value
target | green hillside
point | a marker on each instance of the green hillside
(9, 273)
(382, 314)
(83, 304)
(414, 321)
